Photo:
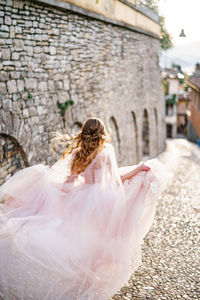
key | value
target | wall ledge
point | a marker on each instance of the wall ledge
(93, 15)
(146, 11)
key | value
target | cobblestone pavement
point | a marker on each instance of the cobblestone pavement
(171, 251)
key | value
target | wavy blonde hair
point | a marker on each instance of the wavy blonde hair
(88, 142)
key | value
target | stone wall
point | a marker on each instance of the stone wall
(49, 55)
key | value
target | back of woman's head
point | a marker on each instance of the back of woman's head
(88, 142)
(92, 133)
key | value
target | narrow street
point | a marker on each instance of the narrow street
(171, 251)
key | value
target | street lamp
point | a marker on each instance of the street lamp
(182, 34)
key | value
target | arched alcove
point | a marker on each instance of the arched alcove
(12, 156)
(136, 136)
(145, 134)
(115, 138)
(156, 130)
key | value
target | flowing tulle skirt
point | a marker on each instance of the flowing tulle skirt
(71, 241)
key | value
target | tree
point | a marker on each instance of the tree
(153, 4)
(165, 39)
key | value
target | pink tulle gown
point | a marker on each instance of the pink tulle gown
(73, 237)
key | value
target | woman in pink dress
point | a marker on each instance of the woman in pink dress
(74, 231)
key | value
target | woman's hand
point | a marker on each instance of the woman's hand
(143, 168)
(131, 174)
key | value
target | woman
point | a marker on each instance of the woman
(74, 231)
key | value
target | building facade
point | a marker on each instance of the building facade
(194, 120)
(171, 88)
(62, 62)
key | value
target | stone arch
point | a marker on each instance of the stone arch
(12, 156)
(145, 135)
(115, 138)
(156, 129)
(136, 136)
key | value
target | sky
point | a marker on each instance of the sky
(182, 14)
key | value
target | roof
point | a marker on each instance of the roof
(194, 82)
(183, 99)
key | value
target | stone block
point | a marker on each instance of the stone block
(58, 76)
(18, 45)
(16, 121)
(4, 28)
(31, 83)
(5, 54)
(58, 85)
(51, 86)
(45, 37)
(2, 41)
(41, 110)
(7, 120)
(37, 49)
(35, 24)
(66, 85)
(20, 85)
(18, 4)
(42, 86)
(16, 97)
(28, 23)
(32, 111)
(29, 50)
(46, 49)
(38, 37)
(18, 29)
(12, 32)
(15, 75)
(25, 113)
(12, 87)
(9, 2)
(8, 63)
(7, 20)
(52, 50)
(7, 104)
(9, 42)
(54, 31)
(14, 22)
(15, 55)
(3, 89)
(4, 35)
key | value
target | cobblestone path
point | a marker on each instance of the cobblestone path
(171, 251)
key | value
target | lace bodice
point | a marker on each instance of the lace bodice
(102, 169)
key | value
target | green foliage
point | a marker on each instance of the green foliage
(64, 106)
(165, 39)
(97, 1)
(153, 4)
(30, 96)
